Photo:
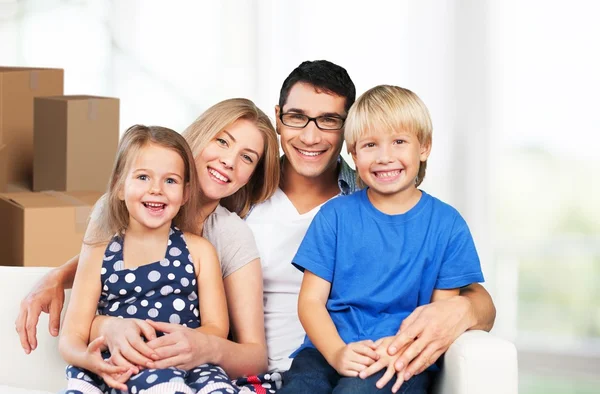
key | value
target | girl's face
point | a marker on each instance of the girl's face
(154, 187)
(229, 159)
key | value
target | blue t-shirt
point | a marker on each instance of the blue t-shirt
(382, 267)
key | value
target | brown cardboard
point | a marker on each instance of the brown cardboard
(43, 229)
(75, 142)
(3, 165)
(18, 87)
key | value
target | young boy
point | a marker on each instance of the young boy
(371, 258)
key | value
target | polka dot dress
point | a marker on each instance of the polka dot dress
(164, 291)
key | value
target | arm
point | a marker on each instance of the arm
(481, 308)
(246, 356)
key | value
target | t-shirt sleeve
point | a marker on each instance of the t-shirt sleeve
(460, 265)
(235, 244)
(317, 250)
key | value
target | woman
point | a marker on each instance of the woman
(237, 158)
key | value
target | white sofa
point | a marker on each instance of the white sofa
(476, 363)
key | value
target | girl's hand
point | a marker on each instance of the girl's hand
(385, 361)
(125, 341)
(180, 347)
(114, 375)
(353, 358)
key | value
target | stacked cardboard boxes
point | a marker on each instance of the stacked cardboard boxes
(62, 148)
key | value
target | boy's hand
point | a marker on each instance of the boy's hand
(385, 361)
(354, 357)
(114, 375)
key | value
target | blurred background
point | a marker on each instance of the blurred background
(512, 87)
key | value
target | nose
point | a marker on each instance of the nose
(310, 135)
(227, 159)
(384, 156)
(155, 187)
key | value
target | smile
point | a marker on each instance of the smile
(216, 174)
(309, 153)
(155, 207)
(384, 175)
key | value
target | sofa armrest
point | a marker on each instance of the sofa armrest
(479, 362)
(43, 369)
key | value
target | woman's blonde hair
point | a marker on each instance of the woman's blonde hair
(265, 179)
(388, 108)
(113, 216)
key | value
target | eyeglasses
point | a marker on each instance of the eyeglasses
(300, 121)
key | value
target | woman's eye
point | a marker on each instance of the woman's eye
(247, 158)
(221, 141)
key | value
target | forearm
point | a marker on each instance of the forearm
(320, 328)
(214, 330)
(239, 359)
(66, 272)
(73, 350)
(482, 312)
(98, 325)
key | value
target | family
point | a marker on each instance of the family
(227, 269)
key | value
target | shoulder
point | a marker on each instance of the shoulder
(198, 246)
(224, 220)
(444, 213)
(342, 203)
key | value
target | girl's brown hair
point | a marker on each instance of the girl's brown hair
(113, 216)
(265, 179)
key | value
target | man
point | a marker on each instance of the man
(313, 103)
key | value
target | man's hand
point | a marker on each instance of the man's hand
(384, 361)
(428, 332)
(113, 375)
(47, 296)
(351, 359)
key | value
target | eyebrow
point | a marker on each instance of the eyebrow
(168, 174)
(247, 149)
(301, 111)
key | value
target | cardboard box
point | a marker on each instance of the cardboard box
(18, 87)
(3, 168)
(43, 229)
(75, 142)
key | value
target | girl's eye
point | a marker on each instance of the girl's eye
(171, 181)
(221, 141)
(142, 177)
(248, 159)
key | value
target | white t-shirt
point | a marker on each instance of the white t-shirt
(278, 230)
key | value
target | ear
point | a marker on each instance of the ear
(424, 152)
(353, 154)
(277, 121)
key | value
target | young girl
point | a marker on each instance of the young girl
(150, 266)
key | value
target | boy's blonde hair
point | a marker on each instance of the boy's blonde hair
(113, 216)
(387, 108)
(265, 179)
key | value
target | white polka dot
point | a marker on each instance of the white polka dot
(103, 270)
(122, 291)
(114, 247)
(166, 290)
(165, 262)
(114, 306)
(133, 390)
(191, 307)
(190, 258)
(171, 276)
(129, 278)
(178, 304)
(196, 313)
(174, 318)
(158, 305)
(113, 278)
(144, 303)
(118, 265)
(132, 310)
(171, 231)
(137, 289)
(109, 258)
(153, 276)
(177, 291)
(169, 243)
(130, 300)
(152, 378)
(193, 296)
(150, 293)
(174, 251)
(185, 282)
(111, 297)
(105, 288)
(193, 282)
(189, 268)
(176, 263)
(152, 313)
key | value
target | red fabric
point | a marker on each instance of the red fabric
(255, 381)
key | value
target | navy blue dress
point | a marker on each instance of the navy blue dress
(162, 291)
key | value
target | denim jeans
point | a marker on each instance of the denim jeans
(311, 374)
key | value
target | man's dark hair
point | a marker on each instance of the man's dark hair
(324, 76)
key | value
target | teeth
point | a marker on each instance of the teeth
(217, 175)
(387, 174)
(154, 204)
(311, 154)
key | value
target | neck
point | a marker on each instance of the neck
(305, 192)
(395, 204)
(154, 235)
(206, 208)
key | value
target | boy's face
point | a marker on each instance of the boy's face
(309, 150)
(388, 162)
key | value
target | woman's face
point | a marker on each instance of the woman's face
(229, 159)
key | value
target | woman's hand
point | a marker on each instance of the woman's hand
(180, 347)
(125, 341)
(113, 375)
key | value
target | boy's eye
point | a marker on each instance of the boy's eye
(398, 142)
(369, 144)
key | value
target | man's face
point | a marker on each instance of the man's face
(309, 150)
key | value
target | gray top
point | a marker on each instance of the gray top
(232, 238)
